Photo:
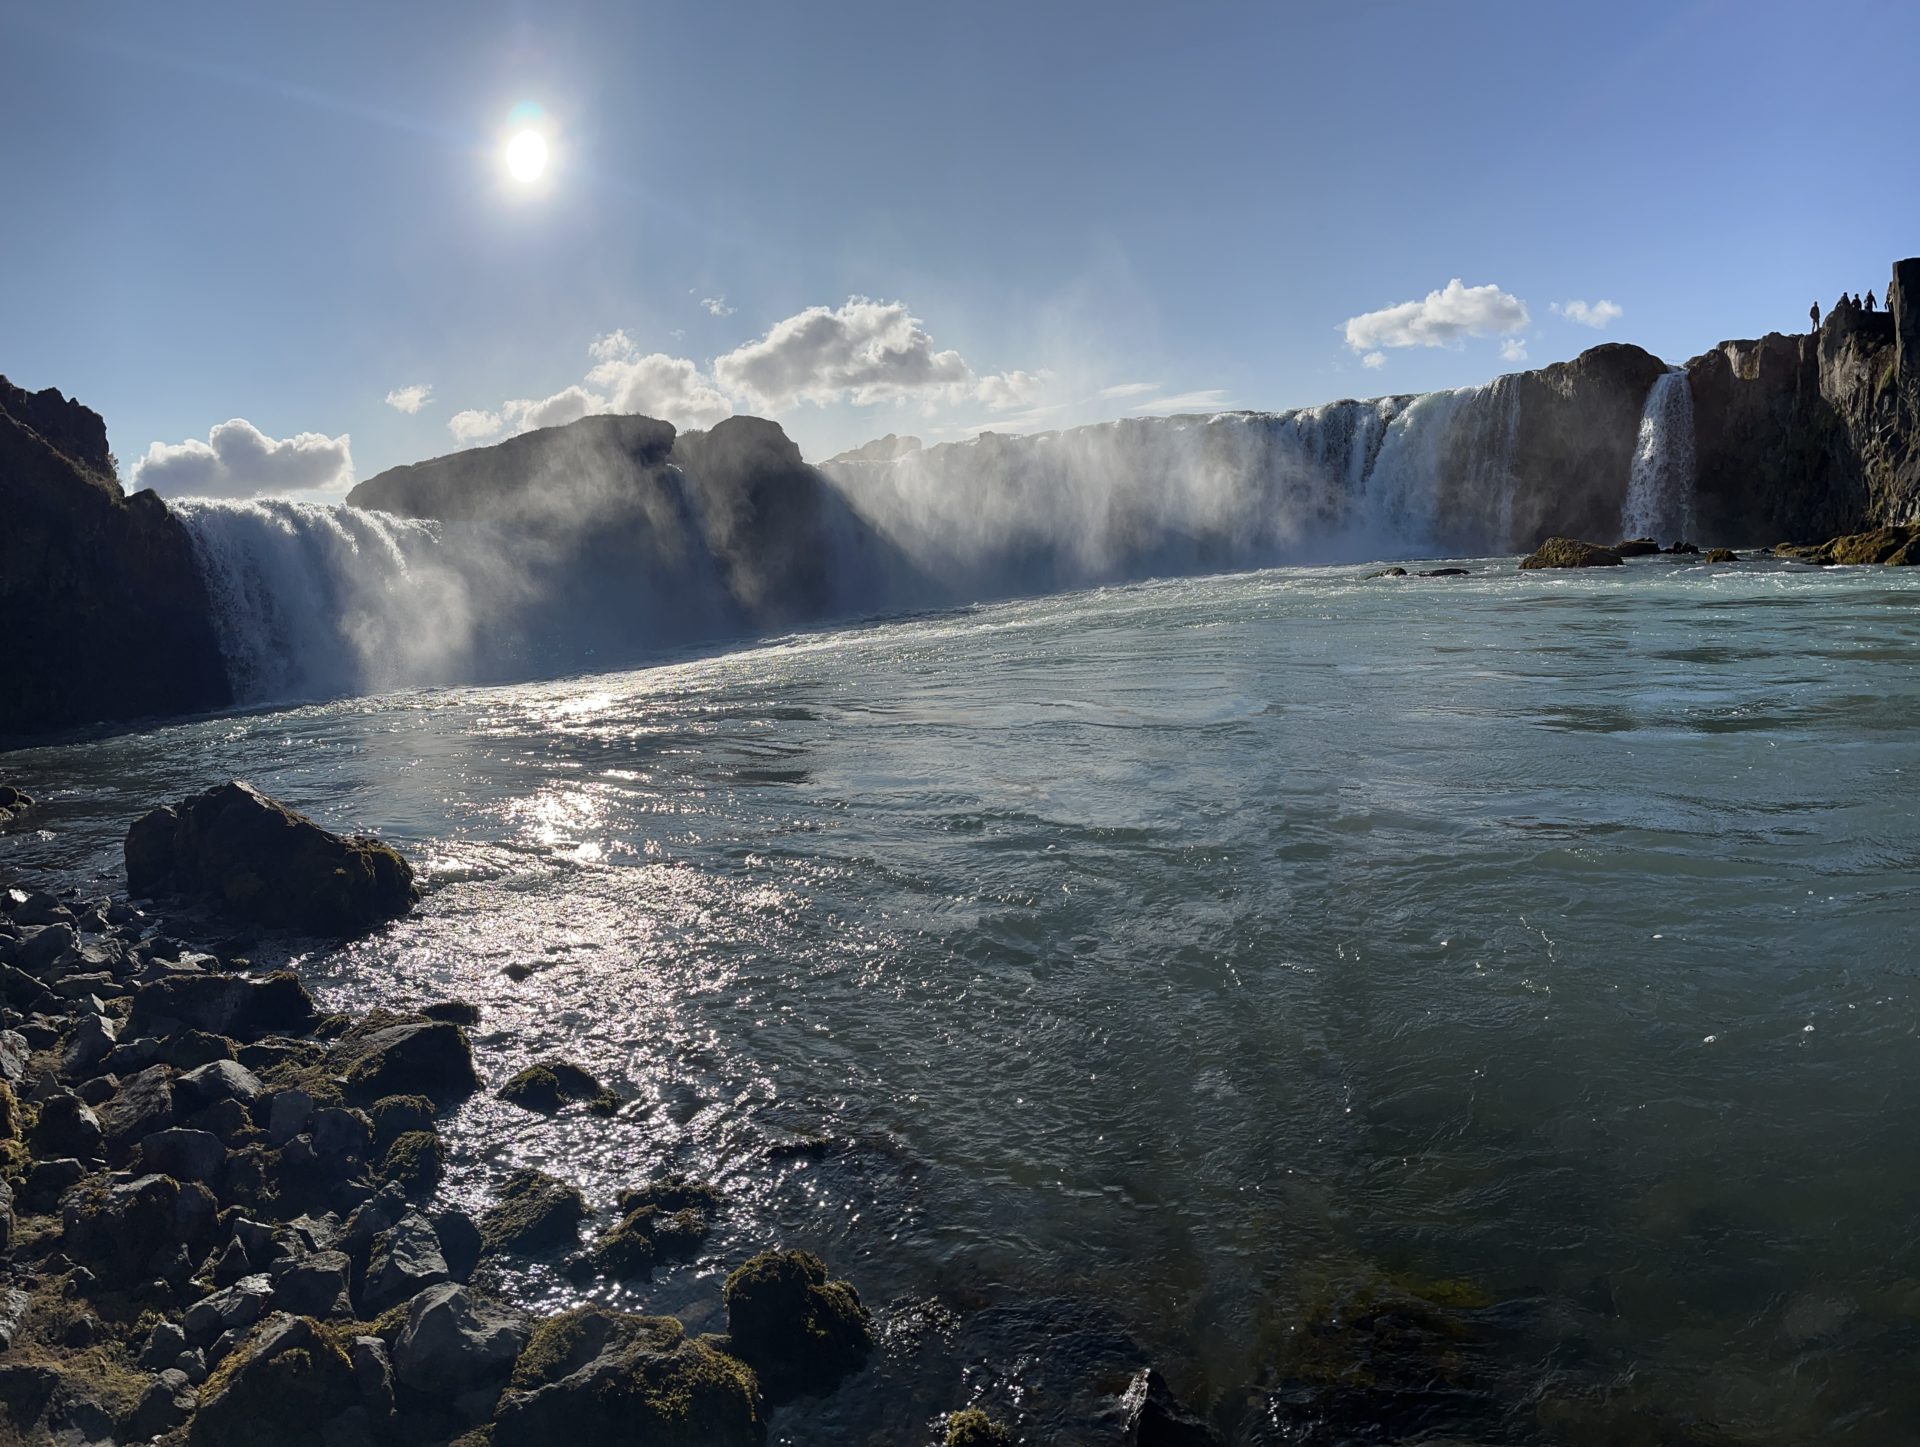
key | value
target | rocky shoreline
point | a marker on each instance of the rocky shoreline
(215, 1218)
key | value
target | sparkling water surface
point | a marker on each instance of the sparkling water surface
(1177, 972)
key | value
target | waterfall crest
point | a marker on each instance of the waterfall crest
(1660, 488)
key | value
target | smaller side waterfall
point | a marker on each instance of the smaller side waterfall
(1659, 501)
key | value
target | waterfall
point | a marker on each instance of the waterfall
(1659, 501)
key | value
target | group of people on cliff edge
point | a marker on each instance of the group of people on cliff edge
(1842, 307)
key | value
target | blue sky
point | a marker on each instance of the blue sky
(1054, 212)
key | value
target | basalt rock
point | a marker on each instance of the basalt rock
(550, 1084)
(287, 1384)
(534, 1213)
(384, 1056)
(798, 1330)
(106, 614)
(593, 1375)
(263, 861)
(1570, 553)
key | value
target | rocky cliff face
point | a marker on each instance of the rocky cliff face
(1805, 436)
(103, 615)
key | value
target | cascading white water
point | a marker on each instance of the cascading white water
(1659, 501)
(315, 602)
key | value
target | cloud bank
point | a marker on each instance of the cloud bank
(1444, 318)
(238, 460)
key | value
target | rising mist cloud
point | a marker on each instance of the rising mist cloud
(238, 460)
(1443, 318)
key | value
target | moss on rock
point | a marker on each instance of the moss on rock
(535, 1212)
(415, 1162)
(800, 1331)
(548, 1085)
(971, 1427)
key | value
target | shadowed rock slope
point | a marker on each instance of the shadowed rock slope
(103, 614)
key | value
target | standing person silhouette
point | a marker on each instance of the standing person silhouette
(1814, 312)
(1869, 301)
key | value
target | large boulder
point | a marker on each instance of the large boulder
(593, 1375)
(286, 1384)
(223, 1005)
(262, 860)
(534, 1213)
(383, 1056)
(800, 1331)
(1570, 553)
(454, 1340)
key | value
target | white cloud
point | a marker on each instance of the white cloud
(717, 306)
(1514, 349)
(1206, 401)
(1445, 318)
(659, 386)
(239, 460)
(1126, 389)
(866, 351)
(473, 425)
(1374, 361)
(1596, 316)
(410, 399)
(1003, 391)
(614, 344)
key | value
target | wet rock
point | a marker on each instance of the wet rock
(1722, 555)
(1682, 550)
(316, 1285)
(263, 861)
(288, 1113)
(418, 1057)
(1636, 547)
(1394, 572)
(453, 1339)
(186, 1155)
(460, 1242)
(1570, 553)
(286, 1384)
(230, 1005)
(455, 1012)
(550, 1084)
(1153, 1417)
(341, 1131)
(1447, 573)
(415, 1163)
(66, 1126)
(971, 1427)
(239, 1305)
(405, 1260)
(217, 1080)
(535, 1212)
(396, 1115)
(799, 1331)
(14, 1052)
(593, 1375)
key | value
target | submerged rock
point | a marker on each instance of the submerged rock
(550, 1084)
(1636, 547)
(1154, 1417)
(1570, 553)
(264, 861)
(1722, 555)
(971, 1427)
(799, 1331)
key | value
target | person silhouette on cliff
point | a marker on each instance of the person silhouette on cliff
(1814, 312)
(1840, 307)
(1869, 301)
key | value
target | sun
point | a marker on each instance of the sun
(526, 156)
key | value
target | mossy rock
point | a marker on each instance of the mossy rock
(11, 1120)
(800, 1331)
(396, 1115)
(593, 1375)
(535, 1213)
(283, 1385)
(1721, 555)
(1571, 553)
(415, 1162)
(971, 1427)
(671, 1193)
(550, 1084)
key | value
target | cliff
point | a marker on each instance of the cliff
(103, 615)
(1808, 435)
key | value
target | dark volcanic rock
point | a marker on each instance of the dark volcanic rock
(1570, 553)
(287, 1383)
(1154, 1417)
(225, 1005)
(106, 614)
(263, 861)
(412, 1057)
(534, 1212)
(801, 1332)
(593, 1375)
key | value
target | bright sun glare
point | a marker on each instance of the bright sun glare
(527, 156)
